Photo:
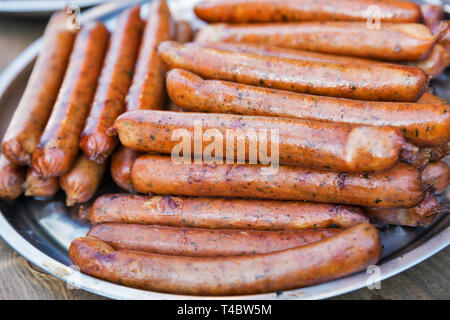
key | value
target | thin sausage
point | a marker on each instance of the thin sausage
(437, 174)
(245, 11)
(422, 124)
(59, 144)
(115, 79)
(314, 144)
(121, 162)
(392, 41)
(36, 186)
(399, 187)
(197, 242)
(350, 251)
(214, 213)
(12, 178)
(384, 82)
(147, 89)
(82, 181)
(35, 106)
(183, 31)
(420, 215)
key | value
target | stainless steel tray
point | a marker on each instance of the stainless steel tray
(41, 231)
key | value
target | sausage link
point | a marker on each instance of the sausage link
(349, 251)
(121, 162)
(35, 106)
(423, 156)
(82, 181)
(197, 242)
(147, 89)
(392, 41)
(314, 144)
(244, 11)
(220, 213)
(12, 178)
(436, 63)
(420, 215)
(422, 124)
(115, 79)
(36, 186)
(437, 174)
(59, 144)
(183, 31)
(399, 187)
(385, 82)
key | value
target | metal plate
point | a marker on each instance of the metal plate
(43, 8)
(41, 231)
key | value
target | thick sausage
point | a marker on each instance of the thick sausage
(115, 79)
(220, 213)
(82, 181)
(121, 162)
(147, 89)
(350, 251)
(399, 187)
(244, 11)
(198, 242)
(12, 178)
(183, 31)
(59, 144)
(420, 215)
(36, 186)
(384, 82)
(422, 124)
(35, 106)
(437, 174)
(310, 143)
(392, 41)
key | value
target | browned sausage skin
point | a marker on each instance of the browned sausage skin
(350, 251)
(35, 106)
(220, 213)
(12, 178)
(198, 242)
(147, 88)
(422, 124)
(392, 41)
(399, 187)
(437, 174)
(436, 63)
(59, 144)
(420, 215)
(82, 181)
(36, 186)
(121, 162)
(384, 82)
(115, 79)
(244, 11)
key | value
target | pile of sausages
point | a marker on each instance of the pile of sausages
(361, 139)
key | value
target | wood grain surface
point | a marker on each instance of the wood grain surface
(20, 280)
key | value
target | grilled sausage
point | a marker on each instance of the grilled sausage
(420, 215)
(35, 106)
(183, 31)
(115, 79)
(436, 63)
(384, 82)
(59, 144)
(350, 251)
(219, 213)
(197, 242)
(36, 186)
(437, 174)
(399, 187)
(121, 162)
(422, 124)
(12, 178)
(314, 144)
(244, 11)
(391, 41)
(147, 88)
(82, 181)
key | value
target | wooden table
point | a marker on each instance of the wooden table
(20, 280)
